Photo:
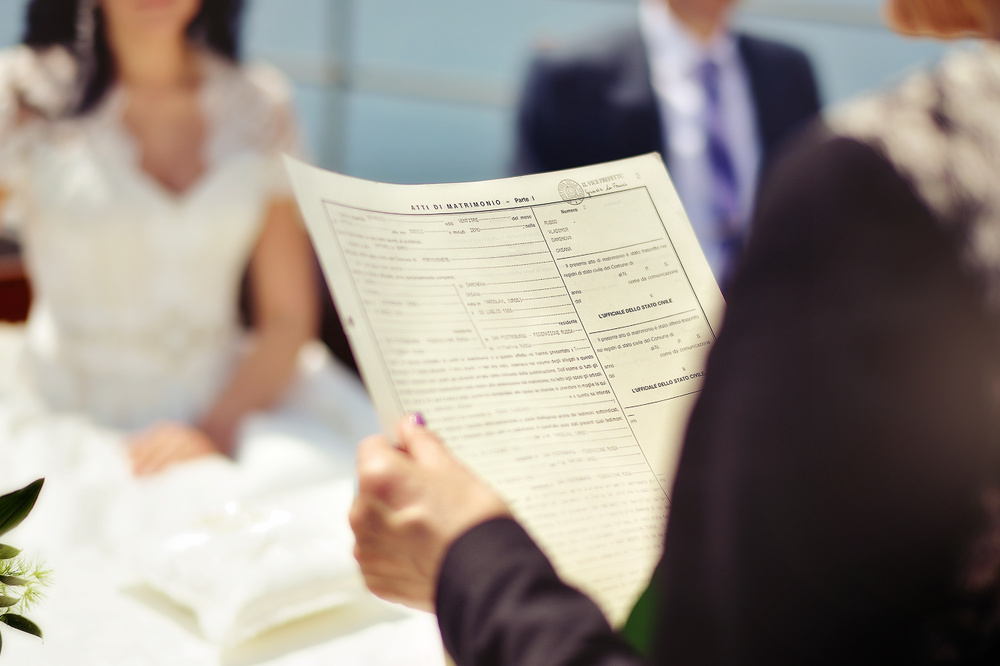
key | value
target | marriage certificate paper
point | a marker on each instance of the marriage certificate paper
(552, 329)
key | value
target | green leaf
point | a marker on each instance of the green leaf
(8, 552)
(15, 580)
(640, 627)
(7, 602)
(1, 642)
(18, 504)
(21, 623)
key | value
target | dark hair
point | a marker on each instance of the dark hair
(54, 23)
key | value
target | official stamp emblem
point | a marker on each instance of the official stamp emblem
(571, 192)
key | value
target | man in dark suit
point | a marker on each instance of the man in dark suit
(641, 90)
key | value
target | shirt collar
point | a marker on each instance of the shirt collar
(674, 49)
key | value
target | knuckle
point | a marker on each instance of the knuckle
(377, 477)
(371, 446)
(372, 469)
(358, 516)
(377, 588)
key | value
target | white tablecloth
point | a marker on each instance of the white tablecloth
(92, 516)
(92, 617)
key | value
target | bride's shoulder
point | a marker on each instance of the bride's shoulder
(45, 61)
(36, 80)
(270, 81)
(259, 83)
(257, 102)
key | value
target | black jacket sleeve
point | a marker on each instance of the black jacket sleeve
(833, 471)
(500, 602)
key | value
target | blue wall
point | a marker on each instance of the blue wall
(424, 91)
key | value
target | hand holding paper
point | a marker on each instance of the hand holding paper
(553, 329)
(412, 503)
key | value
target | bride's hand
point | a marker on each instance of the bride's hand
(166, 443)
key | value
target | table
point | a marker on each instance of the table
(99, 609)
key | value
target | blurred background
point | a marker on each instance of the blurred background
(411, 92)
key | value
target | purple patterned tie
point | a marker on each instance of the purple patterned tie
(725, 189)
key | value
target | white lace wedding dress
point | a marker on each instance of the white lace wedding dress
(135, 289)
(135, 319)
(135, 313)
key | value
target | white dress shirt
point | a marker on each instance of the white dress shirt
(674, 56)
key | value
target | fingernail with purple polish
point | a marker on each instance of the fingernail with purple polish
(417, 419)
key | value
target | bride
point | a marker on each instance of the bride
(141, 167)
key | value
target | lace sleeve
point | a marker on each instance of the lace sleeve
(281, 133)
(34, 86)
(11, 162)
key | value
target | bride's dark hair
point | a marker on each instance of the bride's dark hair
(78, 25)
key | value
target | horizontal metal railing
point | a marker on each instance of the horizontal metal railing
(821, 12)
(487, 90)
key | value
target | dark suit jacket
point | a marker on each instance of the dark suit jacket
(836, 486)
(596, 104)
